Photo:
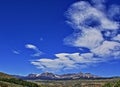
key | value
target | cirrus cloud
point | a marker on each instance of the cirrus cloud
(65, 61)
(33, 47)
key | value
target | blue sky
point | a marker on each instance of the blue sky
(60, 36)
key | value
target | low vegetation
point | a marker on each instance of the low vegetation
(7, 84)
(79, 83)
(72, 83)
(112, 84)
(9, 81)
(19, 82)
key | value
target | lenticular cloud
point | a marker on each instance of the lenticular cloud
(95, 29)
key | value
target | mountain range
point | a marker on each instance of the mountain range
(52, 76)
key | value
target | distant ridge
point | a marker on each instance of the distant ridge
(52, 76)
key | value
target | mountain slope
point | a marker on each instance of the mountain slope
(3, 75)
(10, 81)
(7, 84)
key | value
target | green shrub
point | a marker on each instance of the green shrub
(115, 84)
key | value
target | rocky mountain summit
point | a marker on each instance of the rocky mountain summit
(52, 76)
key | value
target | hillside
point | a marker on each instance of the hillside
(7, 84)
(3, 75)
(9, 81)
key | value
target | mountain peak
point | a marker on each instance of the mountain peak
(49, 75)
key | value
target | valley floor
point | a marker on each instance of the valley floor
(75, 83)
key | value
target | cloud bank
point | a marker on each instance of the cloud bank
(95, 29)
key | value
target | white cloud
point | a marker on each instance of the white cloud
(80, 11)
(90, 39)
(107, 49)
(33, 47)
(83, 17)
(65, 61)
(89, 22)
(54, 64)
(117, 38)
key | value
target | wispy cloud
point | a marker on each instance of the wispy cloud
(90, 34)
(95, 29)
(16, 52)
(33, 47)
(65, 61)
(108, 49)
(116, 38)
